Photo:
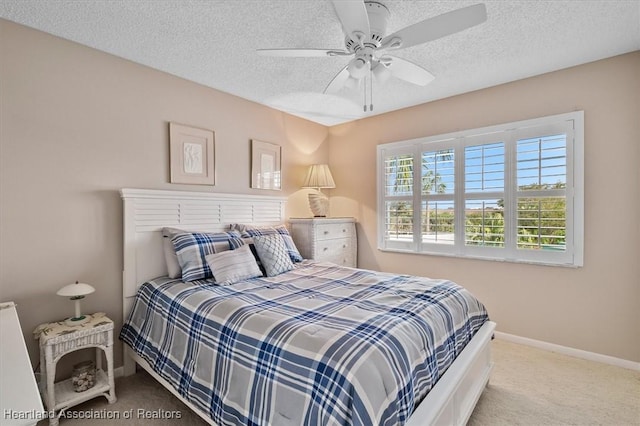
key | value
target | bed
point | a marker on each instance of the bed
(319, 344)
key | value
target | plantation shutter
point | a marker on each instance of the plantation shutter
(509, 192)
(542, 204)
(398, 199)
(437, 187)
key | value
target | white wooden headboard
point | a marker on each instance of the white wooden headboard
(147, 211)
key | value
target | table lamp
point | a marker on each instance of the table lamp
(76, 292)
(318, 177)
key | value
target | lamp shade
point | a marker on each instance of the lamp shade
(319, 176)
(74, 290)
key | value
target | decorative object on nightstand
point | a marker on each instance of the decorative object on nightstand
(318, 177)
(83, 376)
(326, 239)
(76, 292)
(58, 339)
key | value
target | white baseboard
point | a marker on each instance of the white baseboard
(578, 353)
(118, 371)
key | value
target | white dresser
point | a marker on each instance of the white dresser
(331, 239)
(20, 402)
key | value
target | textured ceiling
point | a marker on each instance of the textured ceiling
(214, 43)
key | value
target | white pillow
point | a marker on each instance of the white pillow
(232, 266)
(273, 254)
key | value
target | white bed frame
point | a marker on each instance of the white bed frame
(146, 212)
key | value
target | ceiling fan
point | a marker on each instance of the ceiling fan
(364, 24)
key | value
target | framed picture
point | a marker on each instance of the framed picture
(265, 165)
(191, 152)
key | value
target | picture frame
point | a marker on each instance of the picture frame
(192, 155)
(266, 171)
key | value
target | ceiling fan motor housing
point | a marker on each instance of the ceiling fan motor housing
(378, 19)
(364, 23)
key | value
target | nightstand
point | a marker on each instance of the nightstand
(58, 339)
(331, 239)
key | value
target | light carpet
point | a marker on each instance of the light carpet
(528, 386)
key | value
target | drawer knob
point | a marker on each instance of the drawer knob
(325, 249)
(344, 230)
(326, 232)
(344, 246)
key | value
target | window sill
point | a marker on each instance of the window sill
(476, 257)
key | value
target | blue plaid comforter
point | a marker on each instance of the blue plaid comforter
(318, 345)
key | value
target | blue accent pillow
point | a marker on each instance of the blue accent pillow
(281, 230)
(273, 254)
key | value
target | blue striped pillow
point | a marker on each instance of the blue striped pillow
(232, 266)
(236, 243)
(193, 247)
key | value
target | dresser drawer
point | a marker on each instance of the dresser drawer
(342, 259)
(332, 247)
(330, 231)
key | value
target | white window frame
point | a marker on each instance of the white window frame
(570, 123)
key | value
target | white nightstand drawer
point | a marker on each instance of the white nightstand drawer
(331, 231)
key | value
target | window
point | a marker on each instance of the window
(510, 192)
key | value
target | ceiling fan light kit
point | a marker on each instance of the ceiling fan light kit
(364, 24)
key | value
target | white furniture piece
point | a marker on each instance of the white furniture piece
(58, 339)
(326, 239)
(20, 402)
(450, 402)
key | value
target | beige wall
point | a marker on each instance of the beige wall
(76, 126)
(595, 308)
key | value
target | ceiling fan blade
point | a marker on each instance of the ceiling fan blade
(354, 18)
(407, 71)
(302, 53)
(381, 72)
(437, 27)
(338, 81)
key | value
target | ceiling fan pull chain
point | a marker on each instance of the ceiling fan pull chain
(370, 90)
(364, 103)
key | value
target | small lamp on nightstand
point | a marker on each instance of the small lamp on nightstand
(76, 292)
(319, 176)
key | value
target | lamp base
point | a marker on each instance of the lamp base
(75, 321)
(319, 204)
